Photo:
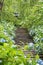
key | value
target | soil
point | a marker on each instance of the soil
(22, 36)
(41, 56)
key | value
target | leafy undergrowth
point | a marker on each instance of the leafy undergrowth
(11, 55)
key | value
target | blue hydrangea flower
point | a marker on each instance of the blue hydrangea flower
(2, 40)
(40, 62)
(41, 39)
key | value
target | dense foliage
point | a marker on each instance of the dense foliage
(26, 14)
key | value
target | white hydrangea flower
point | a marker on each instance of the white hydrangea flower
(0, 61)
(31, 44)
(25, 56)
(13, 46)
(37, 64)
(22, 64)
(16, 57)
(30, 61)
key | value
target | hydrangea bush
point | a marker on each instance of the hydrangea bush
(28, 14)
